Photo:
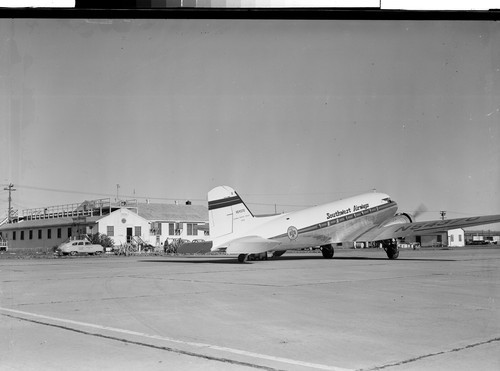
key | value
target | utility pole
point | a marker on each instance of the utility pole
(10, 188)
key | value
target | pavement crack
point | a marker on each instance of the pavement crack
(415, 359)
(143, 344)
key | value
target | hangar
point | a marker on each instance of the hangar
(124, 221)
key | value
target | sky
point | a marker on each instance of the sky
(290, 113)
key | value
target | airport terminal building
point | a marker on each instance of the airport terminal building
(124, 221)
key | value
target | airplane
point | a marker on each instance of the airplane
(369, 217)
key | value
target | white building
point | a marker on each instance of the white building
(155, 223)
(456, 237)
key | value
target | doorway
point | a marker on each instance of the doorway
(129, 234)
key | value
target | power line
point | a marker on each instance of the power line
(46, 189)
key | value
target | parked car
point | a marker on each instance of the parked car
(79, 247)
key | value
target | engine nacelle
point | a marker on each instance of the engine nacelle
(398, 219)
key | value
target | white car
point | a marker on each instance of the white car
(80, 246)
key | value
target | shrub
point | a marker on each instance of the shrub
(102, 239)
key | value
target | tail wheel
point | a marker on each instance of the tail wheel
(327, 251)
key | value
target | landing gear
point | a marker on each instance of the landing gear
(277, 254)
(327, 251)
(242, 258)
(391, 248)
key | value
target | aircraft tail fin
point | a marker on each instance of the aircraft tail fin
(227, 213)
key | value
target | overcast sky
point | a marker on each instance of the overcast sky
(289, 113)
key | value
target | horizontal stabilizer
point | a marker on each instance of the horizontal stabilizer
(251, 245)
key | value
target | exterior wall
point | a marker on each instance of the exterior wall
(120, 220)
(36, 238)
(171, 231)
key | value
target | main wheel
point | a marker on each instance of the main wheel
(327, 251)
(392, 253)
(242, 258)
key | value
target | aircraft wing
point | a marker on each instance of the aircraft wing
(250, 245)
(420, 228)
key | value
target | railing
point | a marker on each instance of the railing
(86, 208)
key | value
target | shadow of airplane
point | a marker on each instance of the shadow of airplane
(233, 260)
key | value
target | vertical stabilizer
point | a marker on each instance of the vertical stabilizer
(227, 213)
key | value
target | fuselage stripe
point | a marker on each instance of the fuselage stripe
(339, 220)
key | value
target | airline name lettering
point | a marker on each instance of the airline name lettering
(347, 211)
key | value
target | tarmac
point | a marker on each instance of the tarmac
(427, 310)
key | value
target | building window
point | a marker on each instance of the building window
(22, 235)
(155, 228)
(137, 231)
(49, 233)
(192, 229)
(59, 232)
(70, 232)
(14, 235)
(171, 229)
(460, 238)
(452, 238)
(31, 234)
(39, 234)
(110, 230)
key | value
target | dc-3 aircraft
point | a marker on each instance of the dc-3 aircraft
(370, 217)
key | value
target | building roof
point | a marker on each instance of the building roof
(173, 213)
